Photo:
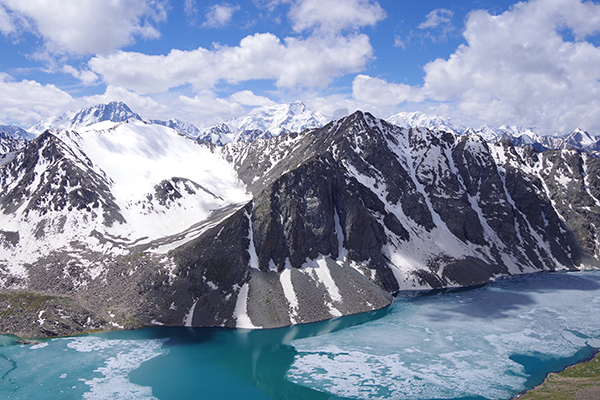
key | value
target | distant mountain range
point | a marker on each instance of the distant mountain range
(262, 122)
(128, 223)
(517, 135)
(270, 121)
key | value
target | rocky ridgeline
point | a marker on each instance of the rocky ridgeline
(341, 218)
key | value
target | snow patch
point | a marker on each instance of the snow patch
(189, 316)
(285, 278)
(253, 263)
(319, 271)
(241, 309)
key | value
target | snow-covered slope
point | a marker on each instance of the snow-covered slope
(138, 156)
(265, 122)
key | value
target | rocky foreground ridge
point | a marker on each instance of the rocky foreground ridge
(130, 224)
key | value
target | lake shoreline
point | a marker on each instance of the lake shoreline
(532, 393)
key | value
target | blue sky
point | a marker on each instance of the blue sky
(534, 63)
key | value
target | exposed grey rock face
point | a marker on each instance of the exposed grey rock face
(55, 315)
(433, 181)
(9, 146)
(341, 218)
(571, 178)
(12, 140)
(67, 183)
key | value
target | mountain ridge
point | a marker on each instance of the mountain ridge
(295, 228)
(268, 121)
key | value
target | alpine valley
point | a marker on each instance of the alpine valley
(112, 221)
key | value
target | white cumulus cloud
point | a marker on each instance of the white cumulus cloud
(248, 98)
(381, 93)
(26, 102)
(219, 15)
(334, 15)
(293, 62)
(87, 77)
(84, 26)
(517, 68)
(206, 109)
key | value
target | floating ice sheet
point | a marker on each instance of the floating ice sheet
(492, 342)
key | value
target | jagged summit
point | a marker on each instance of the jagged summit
(265, 122)
(262, 122)
(15, 132)
(420, 119)
(579, 137)
(294, 117)
(113, 111)
(269, 121)
(12, 140)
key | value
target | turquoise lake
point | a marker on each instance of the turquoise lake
(490, 342)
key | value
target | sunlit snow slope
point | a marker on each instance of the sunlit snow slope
(162, 181)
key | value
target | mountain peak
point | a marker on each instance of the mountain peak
(113, 111)
(15, 132)
(265, 122)
(419, 119)
(297, 107)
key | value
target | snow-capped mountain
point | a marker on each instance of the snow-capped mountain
(294, 117)
(132, 224)
(265, 122)
(16, 132)
(12, 139)
(262, 122)
(578, 139)
(113, 111)
(419, 119)
(218, 134)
